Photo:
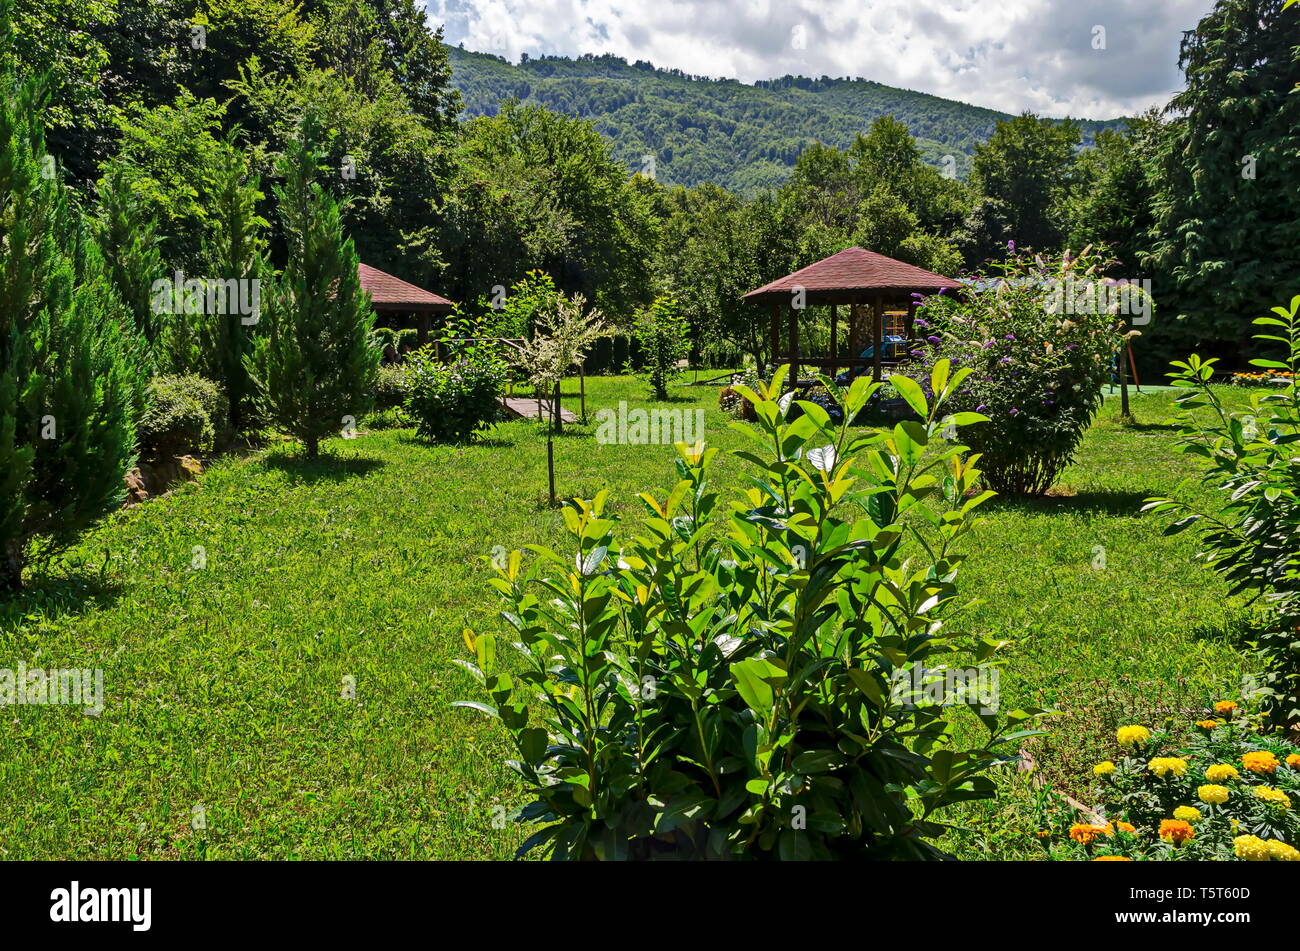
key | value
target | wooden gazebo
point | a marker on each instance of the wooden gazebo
(392, 295)
(854, 277)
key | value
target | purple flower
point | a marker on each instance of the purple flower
(980, 408)
(1011, 247)
(922, 323)
(1005, 360)
(1009, 337)
(1014, 411)
(986, 344)
(934, 340)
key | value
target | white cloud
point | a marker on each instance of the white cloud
(1005, 54)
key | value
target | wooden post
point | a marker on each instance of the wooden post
(911, 320)
(557, 421)
(793, 325)
(776, 333)
(582, 389)
(877, 336)
(834, 349)
(422, 334)
(1133, 366)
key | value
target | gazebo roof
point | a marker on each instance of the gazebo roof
(853, 275)
(394, 294)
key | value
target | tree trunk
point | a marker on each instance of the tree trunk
(11, 566)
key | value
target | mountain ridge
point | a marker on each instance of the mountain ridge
(743, 136)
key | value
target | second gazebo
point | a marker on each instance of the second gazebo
(858, 279)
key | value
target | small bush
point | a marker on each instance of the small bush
(183, 415)
(1227, 793)
(732, 680)
(390, 389)
(663, 334)
(453, 402)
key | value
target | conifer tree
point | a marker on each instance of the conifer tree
(235, 250)
(71, 375)
(317, 365)
(128, 240)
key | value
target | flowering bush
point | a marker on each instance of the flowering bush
(1038, 365)
(723, 681)
(453, 402)
(1229, 792)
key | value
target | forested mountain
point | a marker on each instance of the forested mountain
(699, 129)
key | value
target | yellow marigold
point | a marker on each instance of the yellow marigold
(1112, 858)
(1044, 833)
(1207, 724)
(1125, 827)
(1084, 834)
(1187, 813)
(1220, 772)
(1176, 831)
(1251, 848)
(1168, 765)
(1103, 769)
(1274, 797)
(1214, 795)
(1293, 760)
(1279, 851)
(1132, 735)
(1260, 761)
(1225, 707)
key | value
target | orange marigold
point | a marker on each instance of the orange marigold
(1293, 760)
(1112, 858)
(1260, 761)
(1084, 834)
(1176, 831)
(1225, 706)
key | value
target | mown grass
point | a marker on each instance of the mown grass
(225, 683)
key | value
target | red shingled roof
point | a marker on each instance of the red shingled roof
(393, 293)
(855, 269)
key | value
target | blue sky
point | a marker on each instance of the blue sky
(1054, 57)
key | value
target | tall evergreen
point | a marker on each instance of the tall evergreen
(128, 240)
(1227, 235)
(235, 251)
(70, 374)
(319, 359)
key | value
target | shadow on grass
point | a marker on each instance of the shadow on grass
(493, 441)
(51, 594)
(1103, 503)
(324, 468)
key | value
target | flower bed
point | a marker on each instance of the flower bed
(1228, 793)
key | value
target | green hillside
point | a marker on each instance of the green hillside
(720, 130)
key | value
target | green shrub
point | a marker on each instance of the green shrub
(662, 332)
(1038, 374)
(390, 390)
(702, 690)
(453, 402)
(1253, 539)
(183, 414)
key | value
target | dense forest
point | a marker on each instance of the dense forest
(720, 131)
(462, 173)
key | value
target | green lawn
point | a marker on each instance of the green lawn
(224, 685)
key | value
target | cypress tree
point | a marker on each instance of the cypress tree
(70, 370)
(318, 362)
(235, 251)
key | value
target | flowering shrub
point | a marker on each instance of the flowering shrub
(1229, 792)
(1037, 366)
(691, 689)
(1253, 540)
(453, 402)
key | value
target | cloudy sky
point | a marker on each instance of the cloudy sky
(1055, 57)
